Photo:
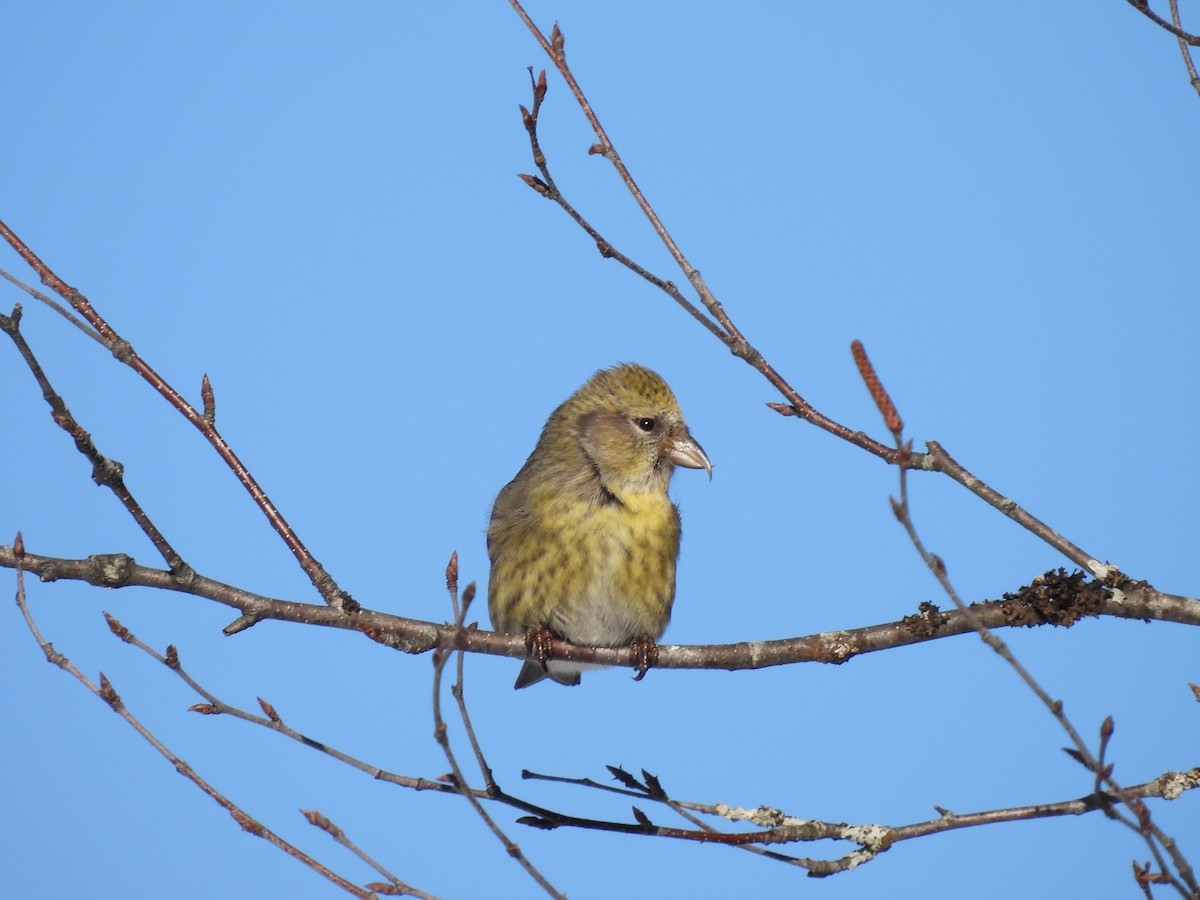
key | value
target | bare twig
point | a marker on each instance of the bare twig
(1143, 7)
(721, 326)
(489, 782)
(124, 352)
(943, 462)
(1193, 78)
(105, 691)
(871, 839)
(548, 189)
(441, 735)
(58, 308)
(726, 331)
(902, 456)
(1157, 841)
(214, 706)
(105, 471)
(394, 886)
(554, 47)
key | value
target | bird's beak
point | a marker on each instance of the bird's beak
(688, 453)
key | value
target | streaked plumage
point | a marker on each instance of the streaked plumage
(584, 539)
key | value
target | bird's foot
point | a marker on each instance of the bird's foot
(645, 655)
(537, 644)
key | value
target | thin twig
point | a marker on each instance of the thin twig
(554, 49)
(724, 328)
(58, 308)
(1103, 779)
(1154, 838)
(871, 838)
(489, 781)
(1143, 7)
(779, 828)
(1193, 77)
(936, 460)
(1169, 786)
(124, 352)
(105, 471)
(394, 886)
(441, 735)
(272, 720)
(943, 462)
(105, 691)
(549, 189)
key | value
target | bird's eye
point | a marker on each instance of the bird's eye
(646, 424)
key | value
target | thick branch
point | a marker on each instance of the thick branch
(1054, 599)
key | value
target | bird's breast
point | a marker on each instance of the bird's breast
(621, 559)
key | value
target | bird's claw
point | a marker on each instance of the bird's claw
(645, 654)
(537, 644)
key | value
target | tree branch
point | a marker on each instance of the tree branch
(1055, 598)
(205, 424)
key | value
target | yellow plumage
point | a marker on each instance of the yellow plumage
(584, 540)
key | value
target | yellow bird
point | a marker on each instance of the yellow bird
(583, 542)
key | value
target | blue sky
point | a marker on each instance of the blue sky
(317, 206)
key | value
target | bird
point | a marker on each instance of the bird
(584, 540)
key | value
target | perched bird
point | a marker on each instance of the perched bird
(583, 541)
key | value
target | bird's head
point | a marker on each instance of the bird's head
(630, 427)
